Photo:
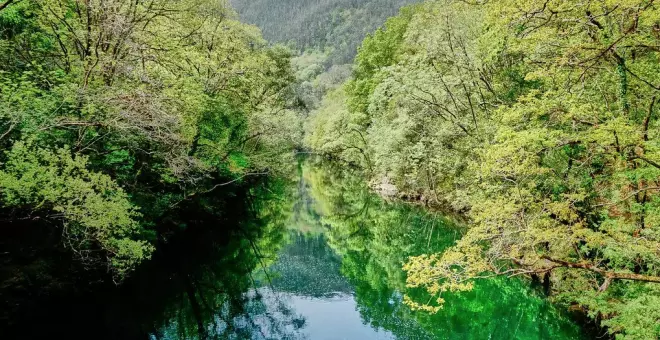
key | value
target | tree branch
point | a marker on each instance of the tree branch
(646, 160)
(611, 275)
(5, 4)
(648, 119)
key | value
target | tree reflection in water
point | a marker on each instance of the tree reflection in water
(374, 238)
(214, 291)
(200, 284)
(314, 259)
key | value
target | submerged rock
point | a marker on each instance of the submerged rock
(384, 188)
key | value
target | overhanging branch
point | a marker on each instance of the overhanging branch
(611, 275)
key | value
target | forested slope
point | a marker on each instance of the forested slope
(334, 25)
(115, 113)
(538, 120)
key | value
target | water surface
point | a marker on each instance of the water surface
(316, 256)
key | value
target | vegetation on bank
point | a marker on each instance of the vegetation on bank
(114, 113)
(325, 33)
(374, 237)
(538, 121)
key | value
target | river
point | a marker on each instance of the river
(317, 256)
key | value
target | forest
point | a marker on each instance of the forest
(324, 36)
(333, 26)
(115, 114)
(128, 126)
(537, 121)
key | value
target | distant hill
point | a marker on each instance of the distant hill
(335, 25)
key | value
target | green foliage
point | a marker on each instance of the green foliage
(314, 80)
(538, 121)
(332, 129)
(335, 26)
(327, 33)
(375, 237)
(200, 285)
(378, 51)
(163, 99)
(94, 208)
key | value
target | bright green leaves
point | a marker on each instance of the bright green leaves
(536, 118)
(566, 175)
(95, 211)
(413, 108)
(164, 99)
(332, 130)
(377, 52)
(219, 131)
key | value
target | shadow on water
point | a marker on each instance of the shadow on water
(194, 286)
(319, 257)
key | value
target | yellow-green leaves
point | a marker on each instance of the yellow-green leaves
(95, 211)
(538, 119)
(162, 98)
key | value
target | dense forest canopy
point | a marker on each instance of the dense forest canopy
(337, 26)
(124, 122)
(325, 33)
(538, 121)
(114, 113)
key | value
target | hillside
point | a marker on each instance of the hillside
(335, 25)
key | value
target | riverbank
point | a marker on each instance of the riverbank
(459, 222)
(474, 106)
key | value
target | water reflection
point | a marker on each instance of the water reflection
(216, 288)
(352, 244)
(318, 257)
(200, 284)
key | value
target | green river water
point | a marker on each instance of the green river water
(314, 257)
